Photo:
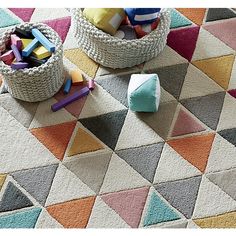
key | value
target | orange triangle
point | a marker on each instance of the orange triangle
(2, 180)
(84, 142)
(55, 138)
(195, 149)
(73, 214)
(219, 69)
(196, 15)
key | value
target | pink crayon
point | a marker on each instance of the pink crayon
(91, 84)
(15, 40)
(75, 96)
(19, 65)
(7, 56)
(16, 52)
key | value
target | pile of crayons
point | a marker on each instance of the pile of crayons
(27, 49)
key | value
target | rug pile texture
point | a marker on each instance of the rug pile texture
(96, 164)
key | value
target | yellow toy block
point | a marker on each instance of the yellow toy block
(77, 77)
(41, 52)
(25, 42)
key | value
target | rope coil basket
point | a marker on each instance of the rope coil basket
(113, 52)
(37, 83)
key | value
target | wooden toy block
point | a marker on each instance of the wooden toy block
(91, 84)
(23, 33)
(77, 77)
(32, 61)
(75, 96)
(67, 86)
(30, 47)
(16, 52)
(43, 40)
(19, 65)
(41, 52)
(7, 56)
(25, 42)
(15, 40)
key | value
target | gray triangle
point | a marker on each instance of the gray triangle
(229, 135)
(219, 14)
(22, 111)
(37, 181)
(181, 194)
(143, 159)
(106, 127)
(13, 199)
(117, 86)
(225, 180)
(91, 169)
(172, 78)
(207, 108)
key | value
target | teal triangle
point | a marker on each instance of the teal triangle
(7, 19)
(158, 211)
(177, 20)
(143, 99)
(23, 219)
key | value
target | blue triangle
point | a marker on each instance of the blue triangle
(23, 219)
(158, 211)
(7, 19)
(177, 20)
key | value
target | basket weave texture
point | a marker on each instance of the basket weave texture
(37, 83)
(113, 52)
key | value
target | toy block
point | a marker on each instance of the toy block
(30, 47)
(77, 77)
(25, 42)
(66, 101)
(19, 65)
(23, 33)
(9, 55)
(43, 40)
(16, 52)
(9, 62)
(15, 40)
(41, 52)
(91, 84)
(34, 61)
(67, 86)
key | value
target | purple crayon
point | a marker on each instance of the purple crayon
(16, 41)
(75, 96)
(19, 65)
(16, 52)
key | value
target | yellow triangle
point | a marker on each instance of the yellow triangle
(227, 220)
(84, 142)
(2, 180)
(80, 59)
(219, 69)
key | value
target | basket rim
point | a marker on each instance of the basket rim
(9, 70)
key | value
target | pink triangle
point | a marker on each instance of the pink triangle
(185, 124)
(184, 41)
(23, 13)
(128, 204)
(224, 30)
(60, 25)
(74, 108)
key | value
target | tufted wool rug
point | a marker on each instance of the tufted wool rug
(97, 164)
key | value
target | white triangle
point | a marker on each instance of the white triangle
(172, 167)
(45, 221)
(165, 96)
(192, 225)
(222, 155)
(212, 200)
(103, 216)
(67, 186)
(232, 82)
(100, 102)
(70, 41)
(209, 46)
(44, 14)
(228, 113)
(19, 148)
(136, 133)
(197, 83)
(44, 116)
(167, 57)
(121, 176)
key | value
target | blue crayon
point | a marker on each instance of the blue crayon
(43, 40)
(16, 52)
(30, 47)
(67, 86)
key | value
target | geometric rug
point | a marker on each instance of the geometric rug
(96, 164)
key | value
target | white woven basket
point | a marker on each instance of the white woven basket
(113, 52)
(37, 83)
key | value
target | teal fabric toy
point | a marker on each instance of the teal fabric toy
(144, 92)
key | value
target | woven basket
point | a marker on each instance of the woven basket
(113, 52)
(37, 83)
